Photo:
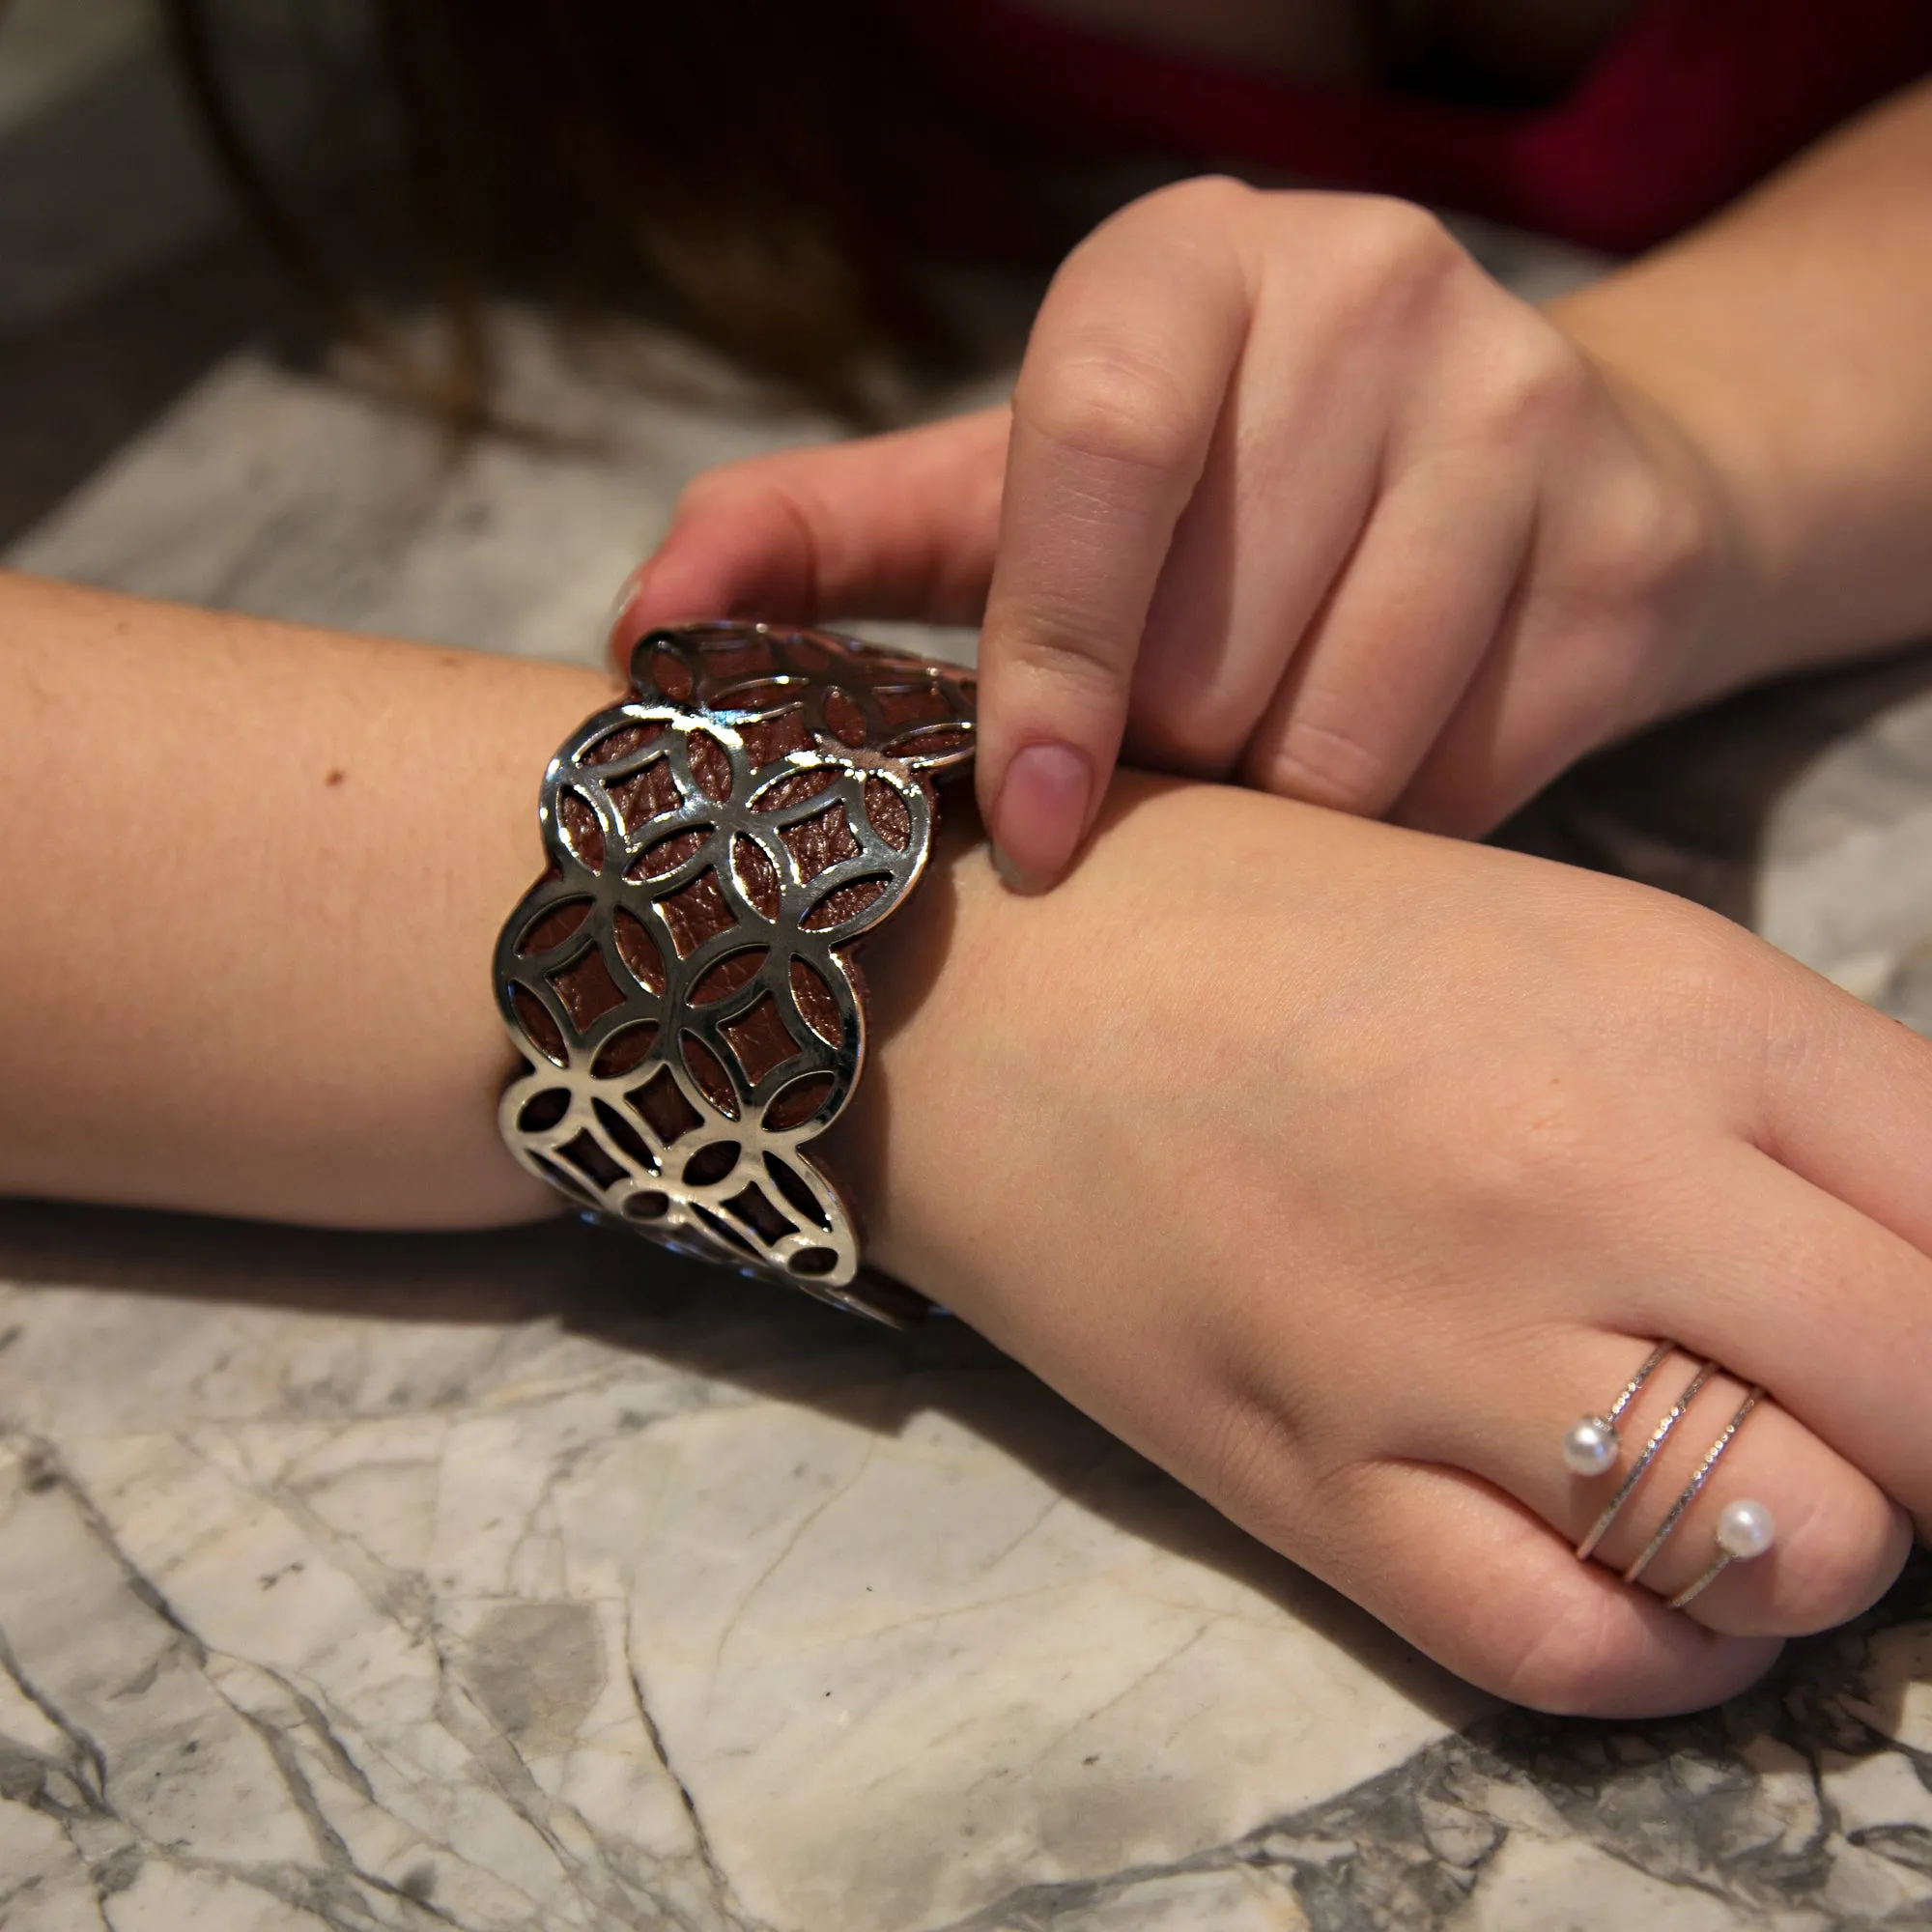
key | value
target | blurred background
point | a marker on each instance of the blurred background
(189, 411)
(181, 418)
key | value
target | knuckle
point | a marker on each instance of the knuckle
(1323, 764)
(1655, 540)
(1107, 404)
(727, 484)
(1534, 379)
(1202, 201)
(1255, 1458)
(1059, 643)
(1392, 256)
(1673, 962)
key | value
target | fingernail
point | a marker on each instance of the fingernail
(1039, 814)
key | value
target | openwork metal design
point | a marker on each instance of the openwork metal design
(679, 983)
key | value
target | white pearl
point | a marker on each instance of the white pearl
(1745, 1530)
(1590, 1446)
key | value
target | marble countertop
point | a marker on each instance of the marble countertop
(513, 1581)
(539, 1580)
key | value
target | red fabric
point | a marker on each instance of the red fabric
(1690, 103)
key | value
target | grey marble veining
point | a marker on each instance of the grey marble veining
(531, 1580)
(536, 1579)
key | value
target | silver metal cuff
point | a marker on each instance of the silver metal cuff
(679, 985)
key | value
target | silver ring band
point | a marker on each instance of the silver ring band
(1693, 1488)
(1633, 1389)
(1746, 1531)
(1639, 1469)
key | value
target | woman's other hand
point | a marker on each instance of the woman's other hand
(1290, 492)
(1341, 1170)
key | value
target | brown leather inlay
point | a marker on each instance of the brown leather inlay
(758, 876)
(759, 1039)
(708, 1075)
(753, 1208)
(554, 927)
(710, 766)
(543, 1031)
(661, 1102)
(786, 792)
(622, 742)
(796, 1193)
(638, 950)
(695, 912)
(820, 842)
(624, 1134)
(543, 1111)
(797, 1103)
(668, 854)
(888, 812)
(729, 660)
(582, 832)
(901, 704)
(625, 1050)
(588, 991)
(847, 719)
(815, 1001)
(590, 1158)
(724, 978)
(772, 737)
(711, 1164)
(645, 794)
(670, 677)
(842, 903)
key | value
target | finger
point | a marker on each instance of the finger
(1418, 606)
(1847, 1100)
(1579, 659)
(898, 525)
(1831, 1312)
(1269, 525)
(1522, 1617)
(1842, 1126)
(1116, 404)
(1839, 1540)
(1551, 690)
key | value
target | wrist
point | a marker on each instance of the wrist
(1738, 621)
(924, 988)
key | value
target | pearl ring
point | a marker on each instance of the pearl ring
(1592, 1447)
(1745, 1529)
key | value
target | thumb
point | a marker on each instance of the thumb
(900, 525)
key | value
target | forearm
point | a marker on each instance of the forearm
(252, 876)
(1790, 339)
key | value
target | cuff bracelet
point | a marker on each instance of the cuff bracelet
(679, 985)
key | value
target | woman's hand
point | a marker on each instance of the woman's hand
(1341, 1170)
(1290, 492)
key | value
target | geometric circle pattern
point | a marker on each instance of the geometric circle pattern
(679, 985)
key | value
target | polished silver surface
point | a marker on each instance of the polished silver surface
(1693, 1487)
(679, 983)
(1746, 1530)
(1633, 1389)
(1592, 1445)
(1639, 1469)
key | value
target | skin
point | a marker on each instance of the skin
(1290, 492)
(1344, 1232)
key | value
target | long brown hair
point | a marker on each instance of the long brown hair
(764, 175)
